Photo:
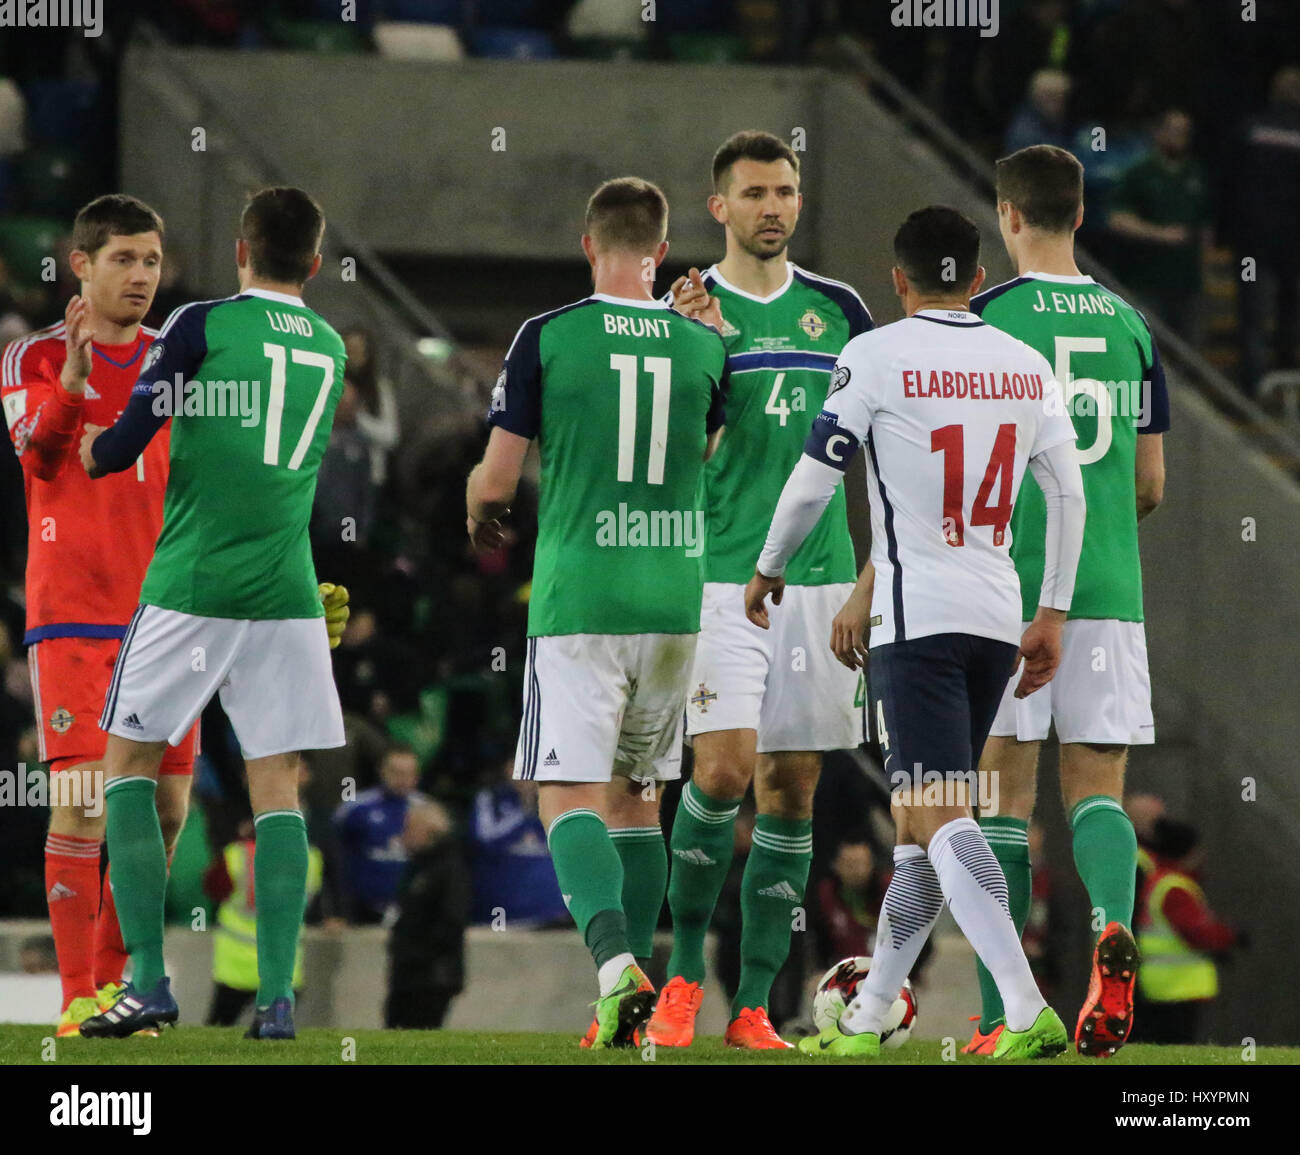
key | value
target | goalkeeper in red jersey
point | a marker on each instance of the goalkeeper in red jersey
(88, 548)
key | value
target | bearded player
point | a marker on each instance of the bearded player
(1100, 702)
(763, 704)
(88, 546)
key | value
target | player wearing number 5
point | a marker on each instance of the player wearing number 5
(230, 603)
(763, 705)
(1106, 360)
(952, 413)
(624, 399)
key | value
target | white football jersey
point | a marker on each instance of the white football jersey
(950, 411)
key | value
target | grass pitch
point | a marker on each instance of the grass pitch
(335, 1047)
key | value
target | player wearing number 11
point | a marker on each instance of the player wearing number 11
(230, 603)
(623, 396)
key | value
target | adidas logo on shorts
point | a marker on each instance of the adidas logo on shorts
(781, 890)
(549, 760)
(58, 891)
(132, 721)
(695, 856)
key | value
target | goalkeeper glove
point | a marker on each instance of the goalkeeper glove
(335, 600)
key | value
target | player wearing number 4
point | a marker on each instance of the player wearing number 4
(230, 603)
(1107, 362)
(624, 399)
(762, 706)
(951, 412)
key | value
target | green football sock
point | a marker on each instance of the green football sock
(703, 844)
(590, 874)
(770, 893)
(135, 846)
(1105, 854)
(280, 890)
(645, 879)
(1009, 839)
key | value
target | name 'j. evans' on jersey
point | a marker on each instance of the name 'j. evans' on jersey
(951, 411)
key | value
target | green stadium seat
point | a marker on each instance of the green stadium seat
(52, 181)
(315, 35)
(705, 48)
(25, 241)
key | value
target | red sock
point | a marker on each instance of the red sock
(110, 954)
(72, 893)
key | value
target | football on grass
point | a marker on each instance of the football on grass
(841, 983)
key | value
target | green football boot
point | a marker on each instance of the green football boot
(1045, 1038)
(833, 1041)
(625, 1009)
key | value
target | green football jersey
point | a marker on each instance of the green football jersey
(1106, 360)
(621, 396)
(250, 384)
(780, 353)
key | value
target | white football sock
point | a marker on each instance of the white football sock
(912, 906)
(609, 974)
(976, 890)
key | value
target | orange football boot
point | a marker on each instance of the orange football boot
(590, 1037)
(752, 1030)
(1107, 1015)
(980, 1043)
(673, 1023)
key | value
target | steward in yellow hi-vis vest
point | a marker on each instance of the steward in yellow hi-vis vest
(1179, 936)
(234, 950)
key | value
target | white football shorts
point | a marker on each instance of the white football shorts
(596, 705)
(1101, 692)
(783, 682)
(274, 677)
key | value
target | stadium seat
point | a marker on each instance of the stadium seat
(315, 35)
(433, 43)
(52, 181)
(512, 44)
(25, 241)
(423, 11)
(62, 111)
(692, 16)
(701, 48)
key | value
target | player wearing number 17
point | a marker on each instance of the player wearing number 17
(624, 397)
(230, 603)
(952, 412)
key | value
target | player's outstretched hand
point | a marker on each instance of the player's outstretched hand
(89, 433)
(486, 536)
(849, 631)
(77, 341)
(1040, 646)
(756, 594)
(692, 298)
(335, 600)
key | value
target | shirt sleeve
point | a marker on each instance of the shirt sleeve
(43, 418)
(845, 418)
(1056, 426)
(173, 360)
(517, 395)
(1154, 413)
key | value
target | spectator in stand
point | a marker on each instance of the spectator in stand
(1264, 226)
(369, 832)
(344, 511)
(848, 902)
(426, 949)
(376, 414)
(229, 882)
(513, 877)
(1161, 210)
(1180, 938)
(1041, 117)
